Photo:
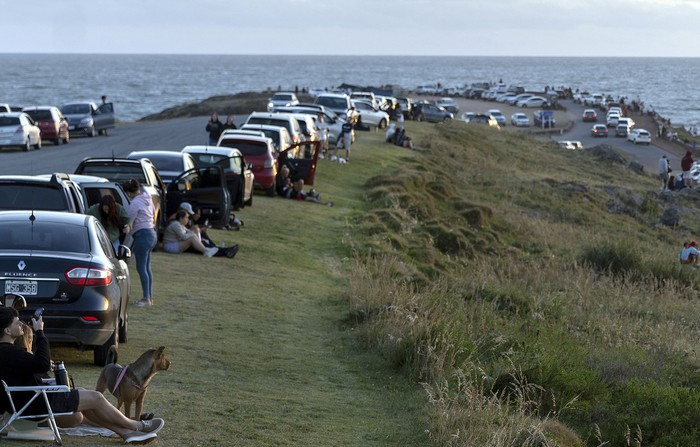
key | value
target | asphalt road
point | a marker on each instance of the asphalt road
(153, 135)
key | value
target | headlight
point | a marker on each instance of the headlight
(87, 121)
(270, 106)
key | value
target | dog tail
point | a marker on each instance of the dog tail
(113, 354)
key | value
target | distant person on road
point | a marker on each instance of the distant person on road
(104, 99)
(663, 172)
(229, 124)
(686, 165)
(142, 214)
(214, 127)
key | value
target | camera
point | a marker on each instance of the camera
(38, 313)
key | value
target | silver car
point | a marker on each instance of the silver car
(17, 129)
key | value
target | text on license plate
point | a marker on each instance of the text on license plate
(21, 287)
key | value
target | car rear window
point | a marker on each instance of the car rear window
(40, 114)
(246, 147)
(76, 109)
(47, 236)
(166, 163)
(331, 102)
(115, 172)
(32, 197)
(271, 122)
(9, 121)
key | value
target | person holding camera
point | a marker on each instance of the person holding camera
(18, 368)
(214, 127)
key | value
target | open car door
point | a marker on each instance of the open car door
(301, 160)
(104, 116)
(205, 188)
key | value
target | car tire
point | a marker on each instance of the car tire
(270, 192)
(124, 330)
(382, 124)
(92, 132)
(102, 355)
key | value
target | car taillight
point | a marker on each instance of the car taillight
(83, 276)
(269, 163)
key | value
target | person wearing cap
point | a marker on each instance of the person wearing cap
(177, 238)
(689, 253)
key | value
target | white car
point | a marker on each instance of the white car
(17, 129)
(448, 104)
(282, 99)
(570, 145)
(533, 101)
(466, 116)
(519, 119)
(498, 115)
(639, 136)
(369, 116)
(613, 120)
(517, 98)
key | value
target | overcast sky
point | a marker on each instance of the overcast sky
(357, 27)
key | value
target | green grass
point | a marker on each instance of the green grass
(261, 351)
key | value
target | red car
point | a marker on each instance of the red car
(599, 130)
(590, 116)
(52, 125)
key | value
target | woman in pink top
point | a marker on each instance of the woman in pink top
(142, 216)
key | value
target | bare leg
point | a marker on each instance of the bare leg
(97, 411)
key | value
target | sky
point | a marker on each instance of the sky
(623, 28)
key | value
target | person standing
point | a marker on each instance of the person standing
(112, 216)
(663, 172)
(142, 215)
(214, 127)
(229, 124)
(347, 136)
(686, 165)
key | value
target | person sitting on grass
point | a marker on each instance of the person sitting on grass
(689, 253)
(295, 190)
(177, 238)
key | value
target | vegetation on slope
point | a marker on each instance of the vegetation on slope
(532, 291)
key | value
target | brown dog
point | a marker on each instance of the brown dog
(131, 385)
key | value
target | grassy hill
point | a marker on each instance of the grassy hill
(487, 289)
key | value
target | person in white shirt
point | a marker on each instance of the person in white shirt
(663, 172)
(689, 253)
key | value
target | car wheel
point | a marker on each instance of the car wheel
(92, 132)
(249, 202)
(382, 124)
(270, 192)
(103, 355)
(124, 330)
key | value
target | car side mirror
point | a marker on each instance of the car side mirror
(123, 252)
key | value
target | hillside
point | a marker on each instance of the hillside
(535, 292)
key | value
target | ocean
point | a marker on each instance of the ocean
(143, 84)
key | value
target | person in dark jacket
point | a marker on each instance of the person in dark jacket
(214, 127)
(686, 166)
(229, 124)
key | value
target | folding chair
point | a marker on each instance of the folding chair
(39, 390)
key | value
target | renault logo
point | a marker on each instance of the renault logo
(21, 265)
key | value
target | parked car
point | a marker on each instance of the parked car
(282, 99)
(339, 103)
(466, 116)
(56, 192)
(204, 187)
(629, 122)
(533, 101)
(487, 120)
(406, 106)
(259, 152)
(169, 164)
(570, 145)
(17, 129)
(498, 115)
(448, 104)
(92, 189)
(590, 116)
(433, 113)
(52, 125)
(333, 122)
(279, 135)
(515, 98)
(613, 119)
(366, 96)
(519, 119)
(65, 263)
(286, 120)
(88, 118)
(599, 130)
(370, 116)
(543, 118)
(239, 176)
(622, 130)
(639, 136)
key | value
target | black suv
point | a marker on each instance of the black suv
(56, 192)
(202, 187)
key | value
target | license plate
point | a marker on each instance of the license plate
(21, 287)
